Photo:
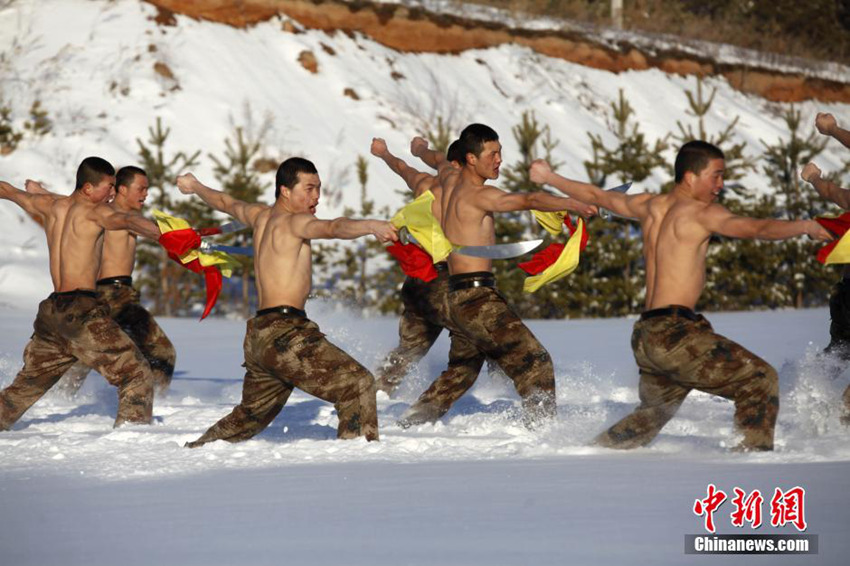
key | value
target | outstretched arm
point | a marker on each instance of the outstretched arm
(110, 219)
(811, 173)
(718, 220)
(629, 206)
(413, 178)
(36, 188)
(244, 212)
(492, 199)
(309, 227)
(826, 124)
(430, 157)
(33, 204)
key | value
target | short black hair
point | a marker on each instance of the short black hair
(694, 157)
(456, 152)
(474, 136)
(287, 173)
(92, 170)
(126, 175)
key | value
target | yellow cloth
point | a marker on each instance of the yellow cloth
(841, 252)
(225, 262)
(566, 263)
(552, 222)
(420, 221)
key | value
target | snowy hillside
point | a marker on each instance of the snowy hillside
(92, 65)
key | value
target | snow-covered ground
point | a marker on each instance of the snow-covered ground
(475, 488)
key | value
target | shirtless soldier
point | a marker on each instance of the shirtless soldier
(675, 348)
(486, 325)
(425, 311)
(115, 287)
(839, 301)
(283, 348)
(72, 324)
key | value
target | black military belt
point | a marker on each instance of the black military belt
(471, 280)
(74, 293)
(673, 310)
(283, 309)
(441, 266)
(120, 280)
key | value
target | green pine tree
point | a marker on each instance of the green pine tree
(807, 281)
(238, 178)
(612, 280)
(168, 285)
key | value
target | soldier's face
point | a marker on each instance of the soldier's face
(488, 162)
(708, 183)
(104, 190)
(304, 195)
(135, 194)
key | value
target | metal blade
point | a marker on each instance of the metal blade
(210, 247)
(405, 237)
(235, 226)
(501, 251)
(495, 251)
(621, 188)
(226, 228)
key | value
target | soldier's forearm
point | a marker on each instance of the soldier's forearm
(142, 226)
(832, 192)
(348, 229)
(780, 229)
(216, 199)
(545, 202)
(584, 192)
(842, 135)
(432, 158)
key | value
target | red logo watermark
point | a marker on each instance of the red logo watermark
(786, 507)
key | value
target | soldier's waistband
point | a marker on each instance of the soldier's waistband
(672, 310)
(74, 293)
(120, 280)
(471, 280)
(283, 309)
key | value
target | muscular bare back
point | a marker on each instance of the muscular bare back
(79, 241)
(674, 245)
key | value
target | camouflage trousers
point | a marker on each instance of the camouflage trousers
(677, 352)
(122, 300)
(839, 332)
(423, 319)
(76, 326)
(287, 350)
(484, 326)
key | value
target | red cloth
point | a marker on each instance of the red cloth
(414, 261)
(212, 277)
(572, 228)
(542, 259)
(837, 226)
(178, 242)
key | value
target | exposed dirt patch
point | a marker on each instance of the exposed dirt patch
(415, 30)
